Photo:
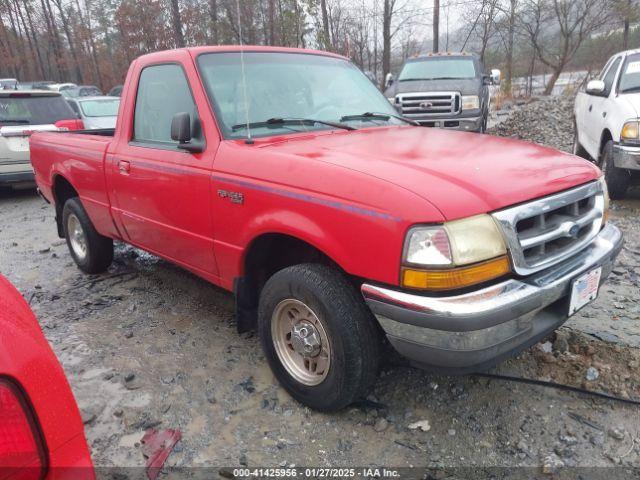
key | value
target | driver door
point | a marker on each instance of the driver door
(162, 193)
(596, 109)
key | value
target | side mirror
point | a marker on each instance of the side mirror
(181, 132)
(388, 81)
(181, 127)
(495, 76)
(595, 87)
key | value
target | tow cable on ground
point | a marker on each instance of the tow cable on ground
(559, 386)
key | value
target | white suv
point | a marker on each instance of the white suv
(21, 113)
(607, 121)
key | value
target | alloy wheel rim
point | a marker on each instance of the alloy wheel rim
(77, 237)
(301, 342)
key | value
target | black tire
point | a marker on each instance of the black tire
(485, 121)
(349, 324)
(98, 249)
(618, 179)
(578, 149)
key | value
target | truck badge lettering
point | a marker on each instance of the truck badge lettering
(235, 197)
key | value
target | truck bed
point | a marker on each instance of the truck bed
(103, 132)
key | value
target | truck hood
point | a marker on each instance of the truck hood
(466, 86)
(632, 103)
(461, 174)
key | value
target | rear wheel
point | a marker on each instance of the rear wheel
(618, 179)
(319, 337)
(92, 252)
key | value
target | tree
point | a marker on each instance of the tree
(557, 29)
(176, 22)
(436, 25)
(325, 25)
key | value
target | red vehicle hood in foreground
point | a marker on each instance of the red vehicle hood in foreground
(30, 368)
(461, 174)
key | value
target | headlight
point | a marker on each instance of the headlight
(630, 132)
(392, 100)
(454, 255)
(470, 102)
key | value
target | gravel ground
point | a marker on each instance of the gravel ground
(150, 345)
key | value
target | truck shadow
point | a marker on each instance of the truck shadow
(7, 193)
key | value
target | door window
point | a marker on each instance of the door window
(610, 76)
(163, 91)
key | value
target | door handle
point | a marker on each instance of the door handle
(590, 107)
(124, 167)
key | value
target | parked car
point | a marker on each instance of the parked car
(96, 112)
(41, 85)
(82, 91)
(115, 91)
(41, 432)
(60, 87)
(285, 176)
(8, 84)
(607, 122)
(447, 90)
(21, 114)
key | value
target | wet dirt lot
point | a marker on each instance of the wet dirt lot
(150, 345)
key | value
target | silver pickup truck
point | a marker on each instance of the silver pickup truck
(446, 90)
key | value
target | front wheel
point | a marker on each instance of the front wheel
(319, 337)
(485, 121)
(92, 252)
(618, 179)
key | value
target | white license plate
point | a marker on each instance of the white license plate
(584, 289)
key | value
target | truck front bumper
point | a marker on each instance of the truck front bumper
(474, 331)
(467, 124)
(627, 157)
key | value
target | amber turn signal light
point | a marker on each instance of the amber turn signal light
(452, 278)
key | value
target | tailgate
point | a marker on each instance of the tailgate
(14, 142)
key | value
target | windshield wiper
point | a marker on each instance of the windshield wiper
(377, 116)
(14, 120)
(432, 78)
(277, 122)
(630, 89)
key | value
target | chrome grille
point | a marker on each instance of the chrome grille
(433, 103)
(546, 231)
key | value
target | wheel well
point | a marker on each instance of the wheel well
(62, 191)
(265, 256)
(606, 136)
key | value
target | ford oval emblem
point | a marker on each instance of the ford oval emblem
(426, 105)
(574, 230)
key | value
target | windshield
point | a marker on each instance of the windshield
(289, 85)
(438, 67)
(100, 108)
(34, 110)
(630, 79)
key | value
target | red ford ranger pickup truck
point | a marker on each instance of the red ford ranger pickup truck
(285, 176)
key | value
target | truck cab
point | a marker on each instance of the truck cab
(606, 121)
(446, 90)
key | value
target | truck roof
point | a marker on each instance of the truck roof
(28, 93)
(629, 52)
(443, 54)
(195, 51)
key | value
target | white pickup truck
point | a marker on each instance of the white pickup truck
(607, 116)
